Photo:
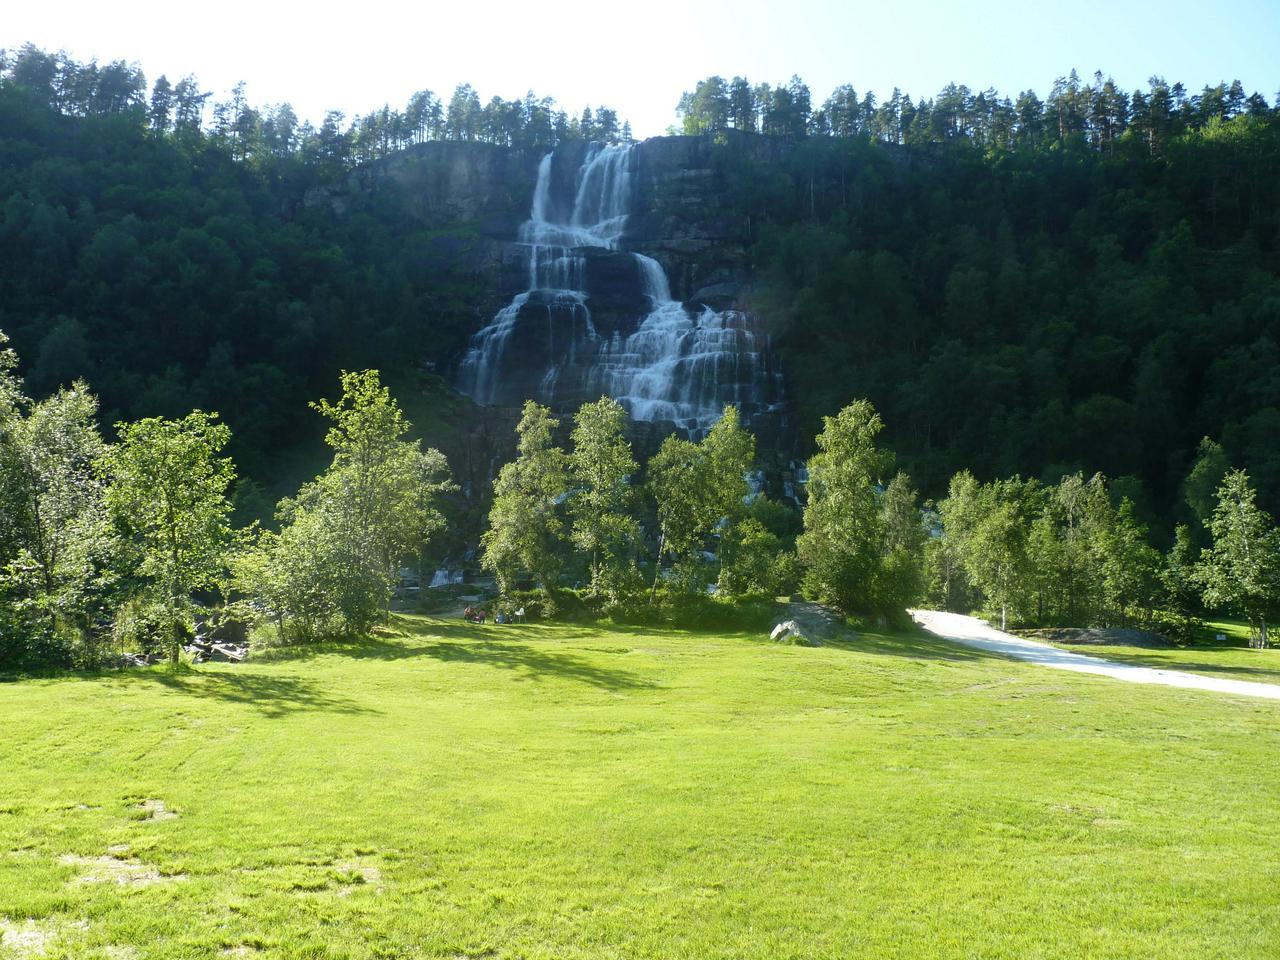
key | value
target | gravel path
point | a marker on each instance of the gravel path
(975, 633)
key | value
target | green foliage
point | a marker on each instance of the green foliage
(752, 561)
(1200, 489)
(1061, 555)
(1055, 271)
(840, 546)
(680, 486)
(544, 604)
(11, 396)
(901, 580)
(143, 624)
(1240, 572)
(13, 486)
(990, 527)
(332, 568)
(1181, 588)
(63, 569)
(946, 583)
(1095, 309)
(383, 487)
(303, 579)
(526, 531)
(168, 495)
(1130, 569)
(700, 490)
(603, 527)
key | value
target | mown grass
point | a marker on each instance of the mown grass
(573, 792)
(1231, 657)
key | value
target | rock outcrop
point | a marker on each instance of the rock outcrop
(446, 182)
(686, 219)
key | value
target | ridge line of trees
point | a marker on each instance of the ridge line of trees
(261, 134)
(1098, 113)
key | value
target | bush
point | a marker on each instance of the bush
(141, 626)
(563, 605)
(675, 608)
(708, 612)
(1178, 628)
(27, 646)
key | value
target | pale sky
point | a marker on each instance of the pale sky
(638, 57)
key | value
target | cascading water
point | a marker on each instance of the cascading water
(599, 320)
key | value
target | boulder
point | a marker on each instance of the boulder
(788, 631)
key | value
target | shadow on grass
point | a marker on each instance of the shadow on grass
(507, 647)
(909, 642)
(912, 643)
(512, 647)
(272, 696)
(533, 651)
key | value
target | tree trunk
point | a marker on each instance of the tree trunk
(657, 567)
(1004, 616)
(175, 644)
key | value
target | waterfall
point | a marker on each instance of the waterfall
(445, 577)
(597, 319)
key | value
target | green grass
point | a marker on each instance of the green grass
(572, 792)
(1232, 658)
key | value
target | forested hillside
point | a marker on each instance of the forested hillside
(174, 264)
(1086, 282)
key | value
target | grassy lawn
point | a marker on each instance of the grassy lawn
(1232, 657)
(559, 792)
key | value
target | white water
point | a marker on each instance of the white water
(444, 577)
(676, 365)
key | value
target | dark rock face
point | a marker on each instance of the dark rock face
(566, 331)
(613, 287)
(448, 181)
(684, 217)
(598, 317)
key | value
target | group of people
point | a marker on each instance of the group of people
(479, 615)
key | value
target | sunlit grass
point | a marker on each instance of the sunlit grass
(1230, 657)
(548, 791)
